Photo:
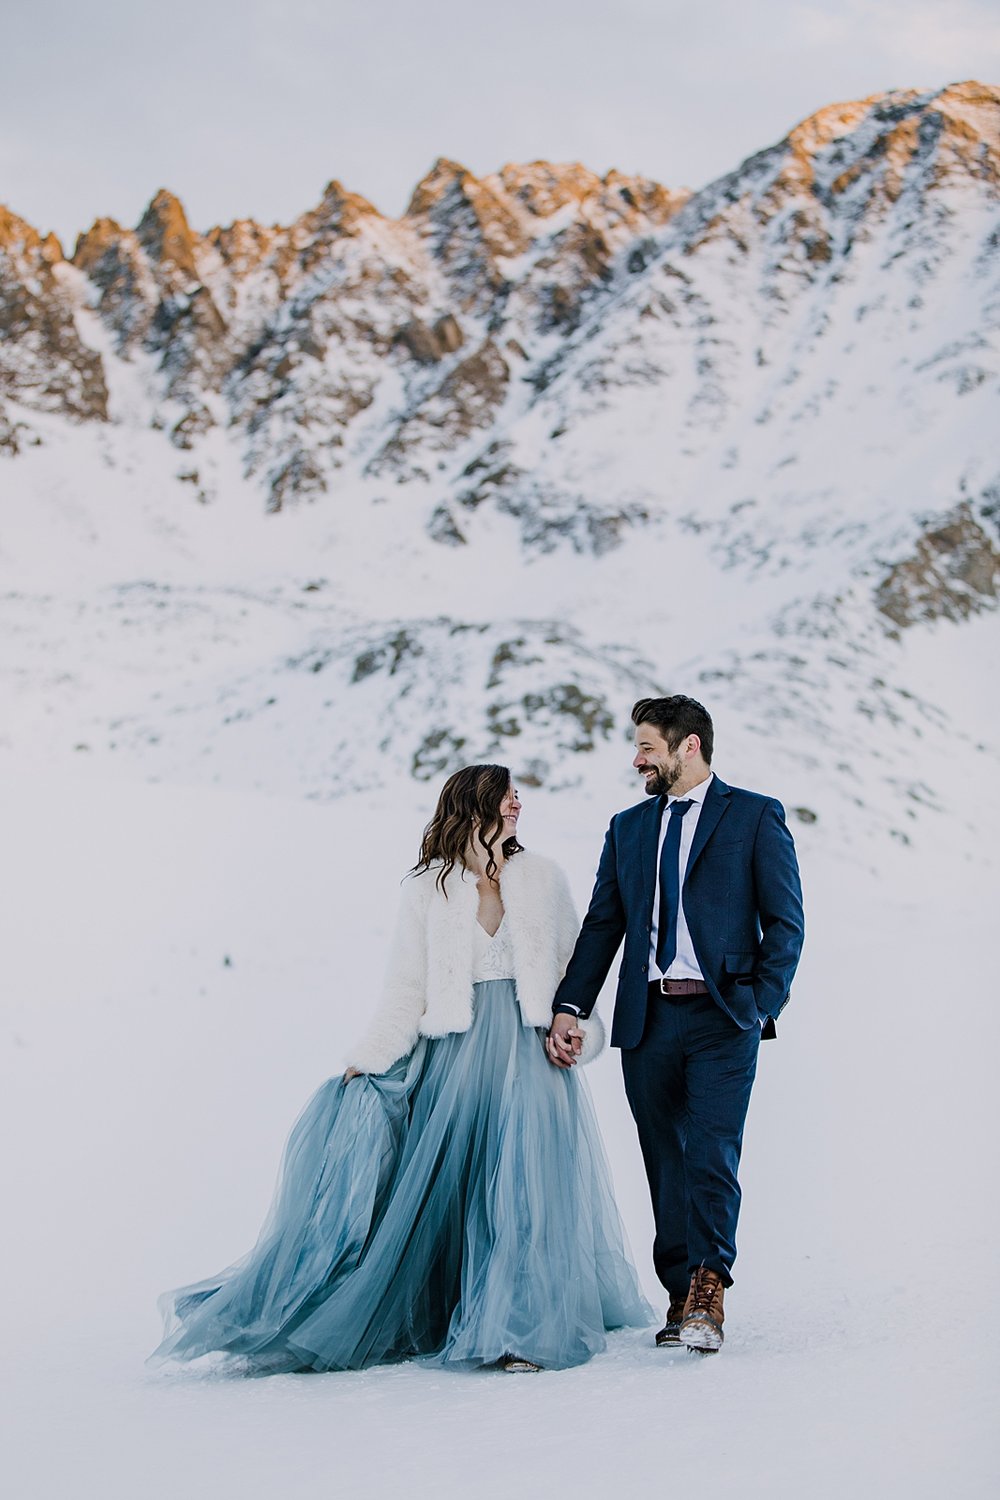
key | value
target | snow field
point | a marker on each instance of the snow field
(148, 1088)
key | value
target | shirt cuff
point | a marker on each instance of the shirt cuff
(565, 1009)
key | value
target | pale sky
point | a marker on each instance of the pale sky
(248, 107)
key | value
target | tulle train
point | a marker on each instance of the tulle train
(456, 1208)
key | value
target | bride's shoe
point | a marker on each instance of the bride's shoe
(514, 1365)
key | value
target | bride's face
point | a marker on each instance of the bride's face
(510, 811)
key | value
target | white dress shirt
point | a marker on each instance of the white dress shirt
(685, 964)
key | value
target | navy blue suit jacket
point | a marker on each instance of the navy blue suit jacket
(742, 902)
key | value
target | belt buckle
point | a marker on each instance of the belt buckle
(663, 985)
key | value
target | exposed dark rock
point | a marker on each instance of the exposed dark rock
(466, 400)
(442, 527)
(515, 653)
(296, 479)
(952, 574)
(113, 260)
(166, 236)
(191, 427)
(388, 656)
(44, 363)
(438, 754)
(590, 717)
(429, 345)
(15, 436)
(474, 389)
(449, 335)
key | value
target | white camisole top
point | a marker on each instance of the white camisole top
(492, 957)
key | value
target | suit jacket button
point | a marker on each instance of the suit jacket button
(644, 967)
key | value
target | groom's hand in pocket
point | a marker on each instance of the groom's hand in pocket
(564, 1041)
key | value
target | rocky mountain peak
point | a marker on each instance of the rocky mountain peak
(975, 107)
(887, 135)
(459, 212)
(545, 187)
(44, 364)
(445, 177)
(242, 245)
(119, 269)
(818, 131)
(339, 212)
(165, 234)
(18, 238)
(642, 195)
(152, 293)
(970, 116)
(102, 238)
(51, 249)
(342, 207)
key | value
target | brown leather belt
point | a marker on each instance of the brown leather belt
(678, 987)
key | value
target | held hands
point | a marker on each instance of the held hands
(564, 1041)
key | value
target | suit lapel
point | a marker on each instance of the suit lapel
(716, 802)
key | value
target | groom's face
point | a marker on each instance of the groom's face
(658, 765)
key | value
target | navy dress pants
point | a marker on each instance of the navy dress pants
(688, 1085)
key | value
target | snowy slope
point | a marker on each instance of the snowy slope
(265, 489)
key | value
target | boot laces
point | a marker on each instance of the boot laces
(706, 1286)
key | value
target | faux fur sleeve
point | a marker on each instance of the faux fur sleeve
(567, 923)
(395, 1026)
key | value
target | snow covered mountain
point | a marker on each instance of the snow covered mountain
(280, 501)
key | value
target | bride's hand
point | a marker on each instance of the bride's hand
(352, 1073)
(564, 1041)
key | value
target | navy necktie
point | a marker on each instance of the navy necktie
(670, 888)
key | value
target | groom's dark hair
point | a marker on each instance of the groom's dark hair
(676, 718)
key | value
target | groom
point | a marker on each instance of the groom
(703, 884)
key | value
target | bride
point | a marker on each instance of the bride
(449, 1197)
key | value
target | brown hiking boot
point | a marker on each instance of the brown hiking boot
(701, 1325)
(670, 1333)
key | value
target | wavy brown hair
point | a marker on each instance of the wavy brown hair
(471, 796)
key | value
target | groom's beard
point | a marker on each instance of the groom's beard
(663, 781)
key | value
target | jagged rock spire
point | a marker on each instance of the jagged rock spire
(165, 234)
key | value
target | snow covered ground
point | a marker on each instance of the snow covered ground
(183, 965)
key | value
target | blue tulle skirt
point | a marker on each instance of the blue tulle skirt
(457, 1208)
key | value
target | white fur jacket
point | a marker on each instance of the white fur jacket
(428, 986)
